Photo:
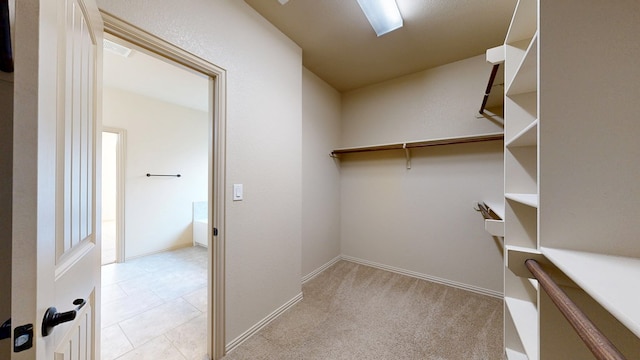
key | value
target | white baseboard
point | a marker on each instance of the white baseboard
(261, 324)
(322, 268)
(170, 248)
(417, 275)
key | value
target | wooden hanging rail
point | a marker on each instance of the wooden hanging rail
(597, 343)
(487, 92)
(420, 144)
(487, 212)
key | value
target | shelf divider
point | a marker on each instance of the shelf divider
(525, 78)
(527, 137)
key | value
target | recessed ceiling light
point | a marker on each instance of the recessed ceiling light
(116, 48)
(282, 2)
(383, 15)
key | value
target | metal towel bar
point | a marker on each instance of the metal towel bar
(150, 175)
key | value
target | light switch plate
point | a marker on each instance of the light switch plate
(237, 192)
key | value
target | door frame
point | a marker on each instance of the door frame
(121, 150)
(217, 145)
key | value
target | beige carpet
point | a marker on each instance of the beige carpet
(352, 311)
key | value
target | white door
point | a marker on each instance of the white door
(56, 252)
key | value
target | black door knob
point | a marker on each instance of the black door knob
(53, 318)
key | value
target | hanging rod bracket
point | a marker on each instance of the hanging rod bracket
(487, 92)
(407, 153)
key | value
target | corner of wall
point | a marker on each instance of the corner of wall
(320, 173)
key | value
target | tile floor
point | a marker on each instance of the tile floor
(154, 307)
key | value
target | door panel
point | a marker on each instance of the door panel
(57, 257)
(76, 344)
(76, 134)
(76, 267)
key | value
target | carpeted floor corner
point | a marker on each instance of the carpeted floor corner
(354, 312)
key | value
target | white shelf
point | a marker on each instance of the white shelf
(527, 137)
(515, 355)
(526, 199)
(525, 78)
(521, 111)
(497, 207)
(613, 281)
(525, 318)
(494, 227)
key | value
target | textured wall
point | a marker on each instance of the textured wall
(320, 173)
(439, 102)
(264, 71)
(422, 219)
(161, 138)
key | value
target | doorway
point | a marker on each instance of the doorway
(164, 110)
(143, 41)
(109, 197)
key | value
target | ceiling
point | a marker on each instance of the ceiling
(144, 74)
(339, 45)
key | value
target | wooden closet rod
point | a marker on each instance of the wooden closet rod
(597, 343)
(419, 144)
(492, 77)
(486, 212)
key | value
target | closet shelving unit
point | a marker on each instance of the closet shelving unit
(521, 178)
(571, 181)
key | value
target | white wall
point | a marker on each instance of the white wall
(320, 173)
(440, 102)
(264, 136)
(161, 138)
(421, 220)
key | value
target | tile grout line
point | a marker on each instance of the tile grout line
(143, 271)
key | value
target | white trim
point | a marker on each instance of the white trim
(76, 255)
(170, 248)
(262, 323)
(322, 268)
(417, 275)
